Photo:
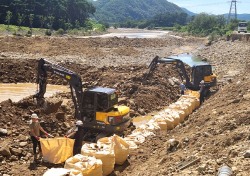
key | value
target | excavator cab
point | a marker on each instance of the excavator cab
(203, 72)
(100, 107)
(99, 99)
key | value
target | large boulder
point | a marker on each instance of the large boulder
(15, 151)
(3, 131)
(5, 151)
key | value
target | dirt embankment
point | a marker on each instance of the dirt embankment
(217, 133)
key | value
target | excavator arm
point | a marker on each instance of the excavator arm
(74, 80)
(179, 66)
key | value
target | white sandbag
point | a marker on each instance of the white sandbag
(137, 137)
(180, 113)
(83, 165)
(178, 107)
(121, 147)
(102, 152)
(173, 114)
(190, 102)
(150, 126)
(56, 172)
(132, 146)
(162, 124)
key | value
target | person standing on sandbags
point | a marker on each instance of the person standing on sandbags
(202, 91)
(183, 87)
(76, 133)
(35, 129)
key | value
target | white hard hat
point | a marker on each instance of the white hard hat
(202, 82)
(34, 116)
(79, 122)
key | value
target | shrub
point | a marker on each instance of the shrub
(29, 33)
(60, 31)
(48, 32)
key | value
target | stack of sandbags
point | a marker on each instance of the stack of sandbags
(103, 152)
(193, 99)
(164, 119)
(177, 106)
(186, 106)
(195, 94)
(171, 114)
(160, 121)
(80, 165)
(150, 128)
(121, 147)
(176, 113)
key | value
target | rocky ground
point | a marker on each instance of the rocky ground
(215, 134)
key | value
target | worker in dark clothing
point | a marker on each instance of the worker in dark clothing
(183, 87)
(76, 133)
(202, 91)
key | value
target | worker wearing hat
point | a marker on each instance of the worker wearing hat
(35, 129)
(76, 133)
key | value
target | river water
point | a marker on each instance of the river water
(17, 92)
(131, 33)
(138, 34)
(189, 59)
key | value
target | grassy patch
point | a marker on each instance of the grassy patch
(25, 31)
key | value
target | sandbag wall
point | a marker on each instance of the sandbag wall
(100, 158)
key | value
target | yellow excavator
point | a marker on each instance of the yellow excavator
(199, 72)
(96, 107)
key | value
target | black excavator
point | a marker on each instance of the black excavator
(199, 73)
(96, 107)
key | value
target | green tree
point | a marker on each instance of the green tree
(79, 10)
(31, 18)
(42, 20)
(61, 10)
(20, 19)
(8, 18)
(50, 22)
(204, 24)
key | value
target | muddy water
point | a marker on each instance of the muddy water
(18, 91)
(189, 59)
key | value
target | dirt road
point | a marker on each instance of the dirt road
(217, 133)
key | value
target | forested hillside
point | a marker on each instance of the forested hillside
(113, 11)
(44, 13)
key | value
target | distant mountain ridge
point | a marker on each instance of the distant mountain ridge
(245, 16)
(188, 12)
(112, 11)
